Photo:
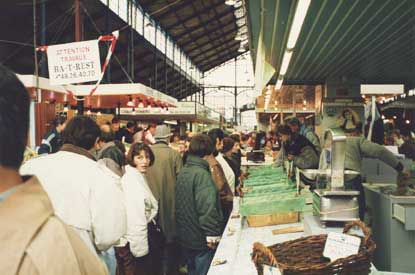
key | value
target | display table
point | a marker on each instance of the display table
(248, 163)
(238, 239)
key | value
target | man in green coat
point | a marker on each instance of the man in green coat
(199, 216)
(161, 178)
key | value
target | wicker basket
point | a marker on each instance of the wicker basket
(271, 219)
(304, 256)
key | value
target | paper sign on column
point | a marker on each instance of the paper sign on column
(340, 246)
(76, 62)
(270, 270)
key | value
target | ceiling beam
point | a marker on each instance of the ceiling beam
(209, 66)
(203, 35)
(207, 57)
(168, 9)
(168, 28)
(212, 42)
(189, 31)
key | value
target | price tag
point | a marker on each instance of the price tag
(270, 270)
(340, 246)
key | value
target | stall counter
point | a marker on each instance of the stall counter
(237, 241)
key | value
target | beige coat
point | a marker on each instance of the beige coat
(34, 241)
(161, 178)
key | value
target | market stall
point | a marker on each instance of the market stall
(273, 211)
(202, 117)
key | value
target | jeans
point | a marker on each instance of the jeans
(198, 261)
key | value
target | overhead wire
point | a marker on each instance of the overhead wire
(27, 43)
(100, 33)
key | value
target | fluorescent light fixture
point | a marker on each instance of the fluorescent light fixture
(299, 16)
(285, 62)
(230, 2)
(279, 84)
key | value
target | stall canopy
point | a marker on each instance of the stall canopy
(370, 40)
(106, 96)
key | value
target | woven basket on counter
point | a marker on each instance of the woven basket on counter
(304, 256)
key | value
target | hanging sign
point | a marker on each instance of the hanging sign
(76, 62)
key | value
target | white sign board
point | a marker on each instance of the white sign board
(340, 246)
(74, 62)
(270, 270)
(369, 89)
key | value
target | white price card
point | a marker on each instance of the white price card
(340, 246)
(270, 270)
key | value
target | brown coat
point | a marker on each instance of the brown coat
(161, 178)
(225, 192)
(34, 241)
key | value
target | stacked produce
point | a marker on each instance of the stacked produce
(268, 190)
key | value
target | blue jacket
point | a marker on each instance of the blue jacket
(51, 143)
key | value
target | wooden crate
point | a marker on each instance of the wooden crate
(272, 219)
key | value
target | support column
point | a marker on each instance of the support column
(43, 63)
(78, 37)
(235, 116)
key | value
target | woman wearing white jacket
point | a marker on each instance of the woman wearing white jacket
(140, 253)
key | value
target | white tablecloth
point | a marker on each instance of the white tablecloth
(238, 239)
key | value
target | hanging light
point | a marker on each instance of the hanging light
(394, 117)
(407, 121)
(285, 62)
(99, 113)
(383, 116)
(241, 49)
(88, 113)
(299, 16)
(130, 102)
(279, 84)
(230, 2)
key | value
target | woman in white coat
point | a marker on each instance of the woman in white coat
(140, 253)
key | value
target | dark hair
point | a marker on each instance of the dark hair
(284, 130)
(216, 133)
(406, 133)
(244, 138)
(135, 150)
(120, 146)
(151, 125)
(201, 145)
(294, 121)
(59, 120)
(228, 144)
(115, 120)
(81, 131)
(106, 136)
(130, 124)
(236, 138)
(14, 119)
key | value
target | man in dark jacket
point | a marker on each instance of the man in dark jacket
(408, 147)
(296, 148)
(51, 141)
(198, 210)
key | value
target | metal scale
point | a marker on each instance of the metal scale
(334, 203)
